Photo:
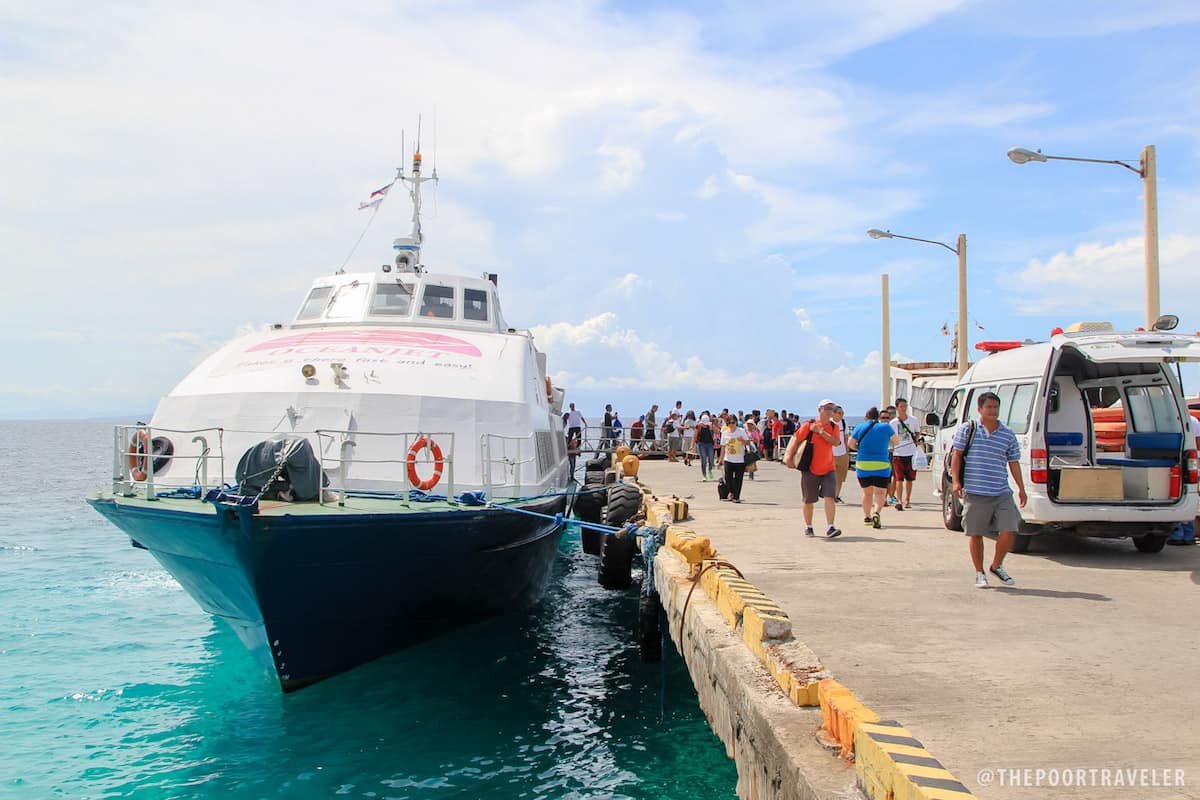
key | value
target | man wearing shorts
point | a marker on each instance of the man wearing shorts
(908, 434)
(820, 479)
(981, 481)
(872, 439)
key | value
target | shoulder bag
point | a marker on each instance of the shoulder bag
(802, 455)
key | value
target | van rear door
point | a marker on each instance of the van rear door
(1142, 346)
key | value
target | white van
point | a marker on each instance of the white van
(1132, 475)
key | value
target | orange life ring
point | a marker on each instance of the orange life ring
(138, 455)
(438, 463)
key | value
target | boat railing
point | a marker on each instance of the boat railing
(136, 462)
(514, 458)
(418, 449)
(598, 439)
(141, 452)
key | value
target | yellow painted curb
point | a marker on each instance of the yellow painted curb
(892, 764)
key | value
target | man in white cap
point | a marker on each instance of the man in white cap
(818, 471)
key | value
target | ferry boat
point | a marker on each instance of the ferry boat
(387, 467)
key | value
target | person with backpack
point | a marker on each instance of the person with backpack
(818, 473)
(704, 444)
(981, 451)
(734, 441)
(908, 432)
(872, 438)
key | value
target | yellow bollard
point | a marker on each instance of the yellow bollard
(622, 451)
(630, 464)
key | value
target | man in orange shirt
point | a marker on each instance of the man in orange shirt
(818, 477)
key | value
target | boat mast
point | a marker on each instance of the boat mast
(408, 248)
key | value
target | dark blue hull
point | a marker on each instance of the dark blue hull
(317, 594)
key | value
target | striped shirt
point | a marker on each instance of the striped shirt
(986, 470)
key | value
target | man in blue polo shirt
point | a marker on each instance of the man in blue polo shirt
(982, 483)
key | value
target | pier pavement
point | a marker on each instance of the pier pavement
(1091, 662)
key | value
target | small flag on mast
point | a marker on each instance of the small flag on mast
(376, 197)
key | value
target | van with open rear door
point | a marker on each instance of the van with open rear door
(1102, 422)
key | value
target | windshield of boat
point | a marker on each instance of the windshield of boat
(314, 305)
(392, 299)
(347, 301)
(475, 305)
(438, 301)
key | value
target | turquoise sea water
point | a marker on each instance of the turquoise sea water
(113, 683)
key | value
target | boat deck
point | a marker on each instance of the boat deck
(278, 508)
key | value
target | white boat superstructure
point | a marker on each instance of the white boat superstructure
(372, 363)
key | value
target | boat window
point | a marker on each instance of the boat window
(901, 387)
(1152, 409)
(315, 303)
(347, 302)
(438, 301)
(392, 299)
(1020, 407)
(475, 304)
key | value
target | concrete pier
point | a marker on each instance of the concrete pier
(1088, 665)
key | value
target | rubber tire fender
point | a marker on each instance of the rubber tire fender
(589, 506)
(602, 463)
(624, 500)
(649, 627)
(616, 560)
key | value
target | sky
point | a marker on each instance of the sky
(674, 195)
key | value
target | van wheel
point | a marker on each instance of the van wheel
(1021, 543)
(951, 508)
(1150, 543)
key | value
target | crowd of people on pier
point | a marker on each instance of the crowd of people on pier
(733, 442)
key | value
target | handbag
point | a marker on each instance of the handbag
(751, 455)
(919, 459)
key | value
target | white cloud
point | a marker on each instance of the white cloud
(1110, 277)
(624, 166)
(621, 358)
(710, 189)
(630, 284)
(805, 216)
(804, 319)
(562, 334)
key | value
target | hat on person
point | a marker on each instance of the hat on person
(826, 402)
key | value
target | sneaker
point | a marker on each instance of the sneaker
(838, 500)
(1001, 573)
(832, 533)
(980, 581)
(867, 520)
(876, 522)
(891, 501)
(809, 531)
(899, 507)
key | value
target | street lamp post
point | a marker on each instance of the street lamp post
(959, 250)
(885, 344)
(1147, 170)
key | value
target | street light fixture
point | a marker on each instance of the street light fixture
(960, 250)
(1147, 170)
